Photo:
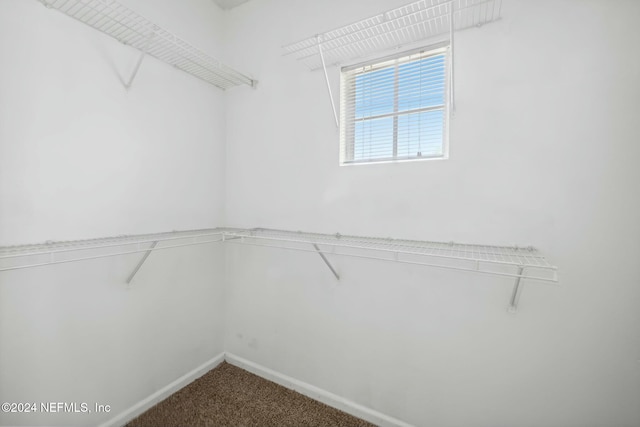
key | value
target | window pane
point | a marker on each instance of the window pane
(421, 83)
(421, 134)
(373, 139)
(374, 93)
(410, 92)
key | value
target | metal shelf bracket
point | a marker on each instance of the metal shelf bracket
(144, 258)
(326, 76)
(143, 53)
(517, 290)
(326, 261)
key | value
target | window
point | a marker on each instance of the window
(395, 108)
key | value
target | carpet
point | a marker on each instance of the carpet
(232, 397)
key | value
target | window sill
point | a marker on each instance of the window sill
(387, 161)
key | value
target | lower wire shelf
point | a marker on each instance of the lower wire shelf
(49, 253)
(517, 263)
(509, 261)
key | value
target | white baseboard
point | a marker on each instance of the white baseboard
(166, 391)
(316, 393)
(301, 387)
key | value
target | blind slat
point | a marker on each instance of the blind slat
(395, 110)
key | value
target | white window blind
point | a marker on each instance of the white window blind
(395, 108)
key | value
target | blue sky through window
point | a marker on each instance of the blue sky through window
(400, 92)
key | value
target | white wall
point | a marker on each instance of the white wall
(543, 152)
(82, 157)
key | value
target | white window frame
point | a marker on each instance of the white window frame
(347, 145)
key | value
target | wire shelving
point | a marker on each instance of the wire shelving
(493, 260)
(49, 253)
(517, 263)
(420, 20)
(130, 28)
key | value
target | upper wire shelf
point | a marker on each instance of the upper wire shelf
(408, 24)
(128, 27)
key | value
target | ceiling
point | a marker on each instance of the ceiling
(229, 4)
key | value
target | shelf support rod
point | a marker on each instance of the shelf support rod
(515, 296)
(143, 53)
(452, 99)
(144, 258)
(326, 76)
(326, 261)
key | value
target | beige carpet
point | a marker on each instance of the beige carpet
(232, 397)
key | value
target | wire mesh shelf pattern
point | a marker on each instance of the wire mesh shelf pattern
(515, 262)
(49, 253)
(408, 24)
(128, 27)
